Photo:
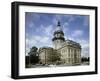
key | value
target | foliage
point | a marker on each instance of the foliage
(33, 51)
(85, 59)
(33, 55)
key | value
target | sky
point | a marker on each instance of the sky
(39, 28)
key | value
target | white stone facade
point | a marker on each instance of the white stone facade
(66, 52)
(70, 54)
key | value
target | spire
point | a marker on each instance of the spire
(58, 23)
(58, 28)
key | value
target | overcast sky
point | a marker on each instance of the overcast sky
(39, 28)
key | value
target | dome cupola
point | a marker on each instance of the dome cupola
(58, 38)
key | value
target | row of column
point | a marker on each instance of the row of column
(72, 55)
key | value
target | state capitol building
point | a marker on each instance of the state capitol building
(63, 52)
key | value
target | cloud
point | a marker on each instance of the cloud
(49, 30)
(40, 29)
(42, 39)
(85, 46)
(30, 24)
(85, 52)
(86, 21)
(66, 24)
(84, 43)
(57, 18)
(77, 33)
(65, 27)
(31, 19)
(38, 41)
(31, 16)
(45, 30)
(71, 18)
(41, 35)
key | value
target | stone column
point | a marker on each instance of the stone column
(80, 56)
(71, 56)
(68, 55)
(77, 56)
